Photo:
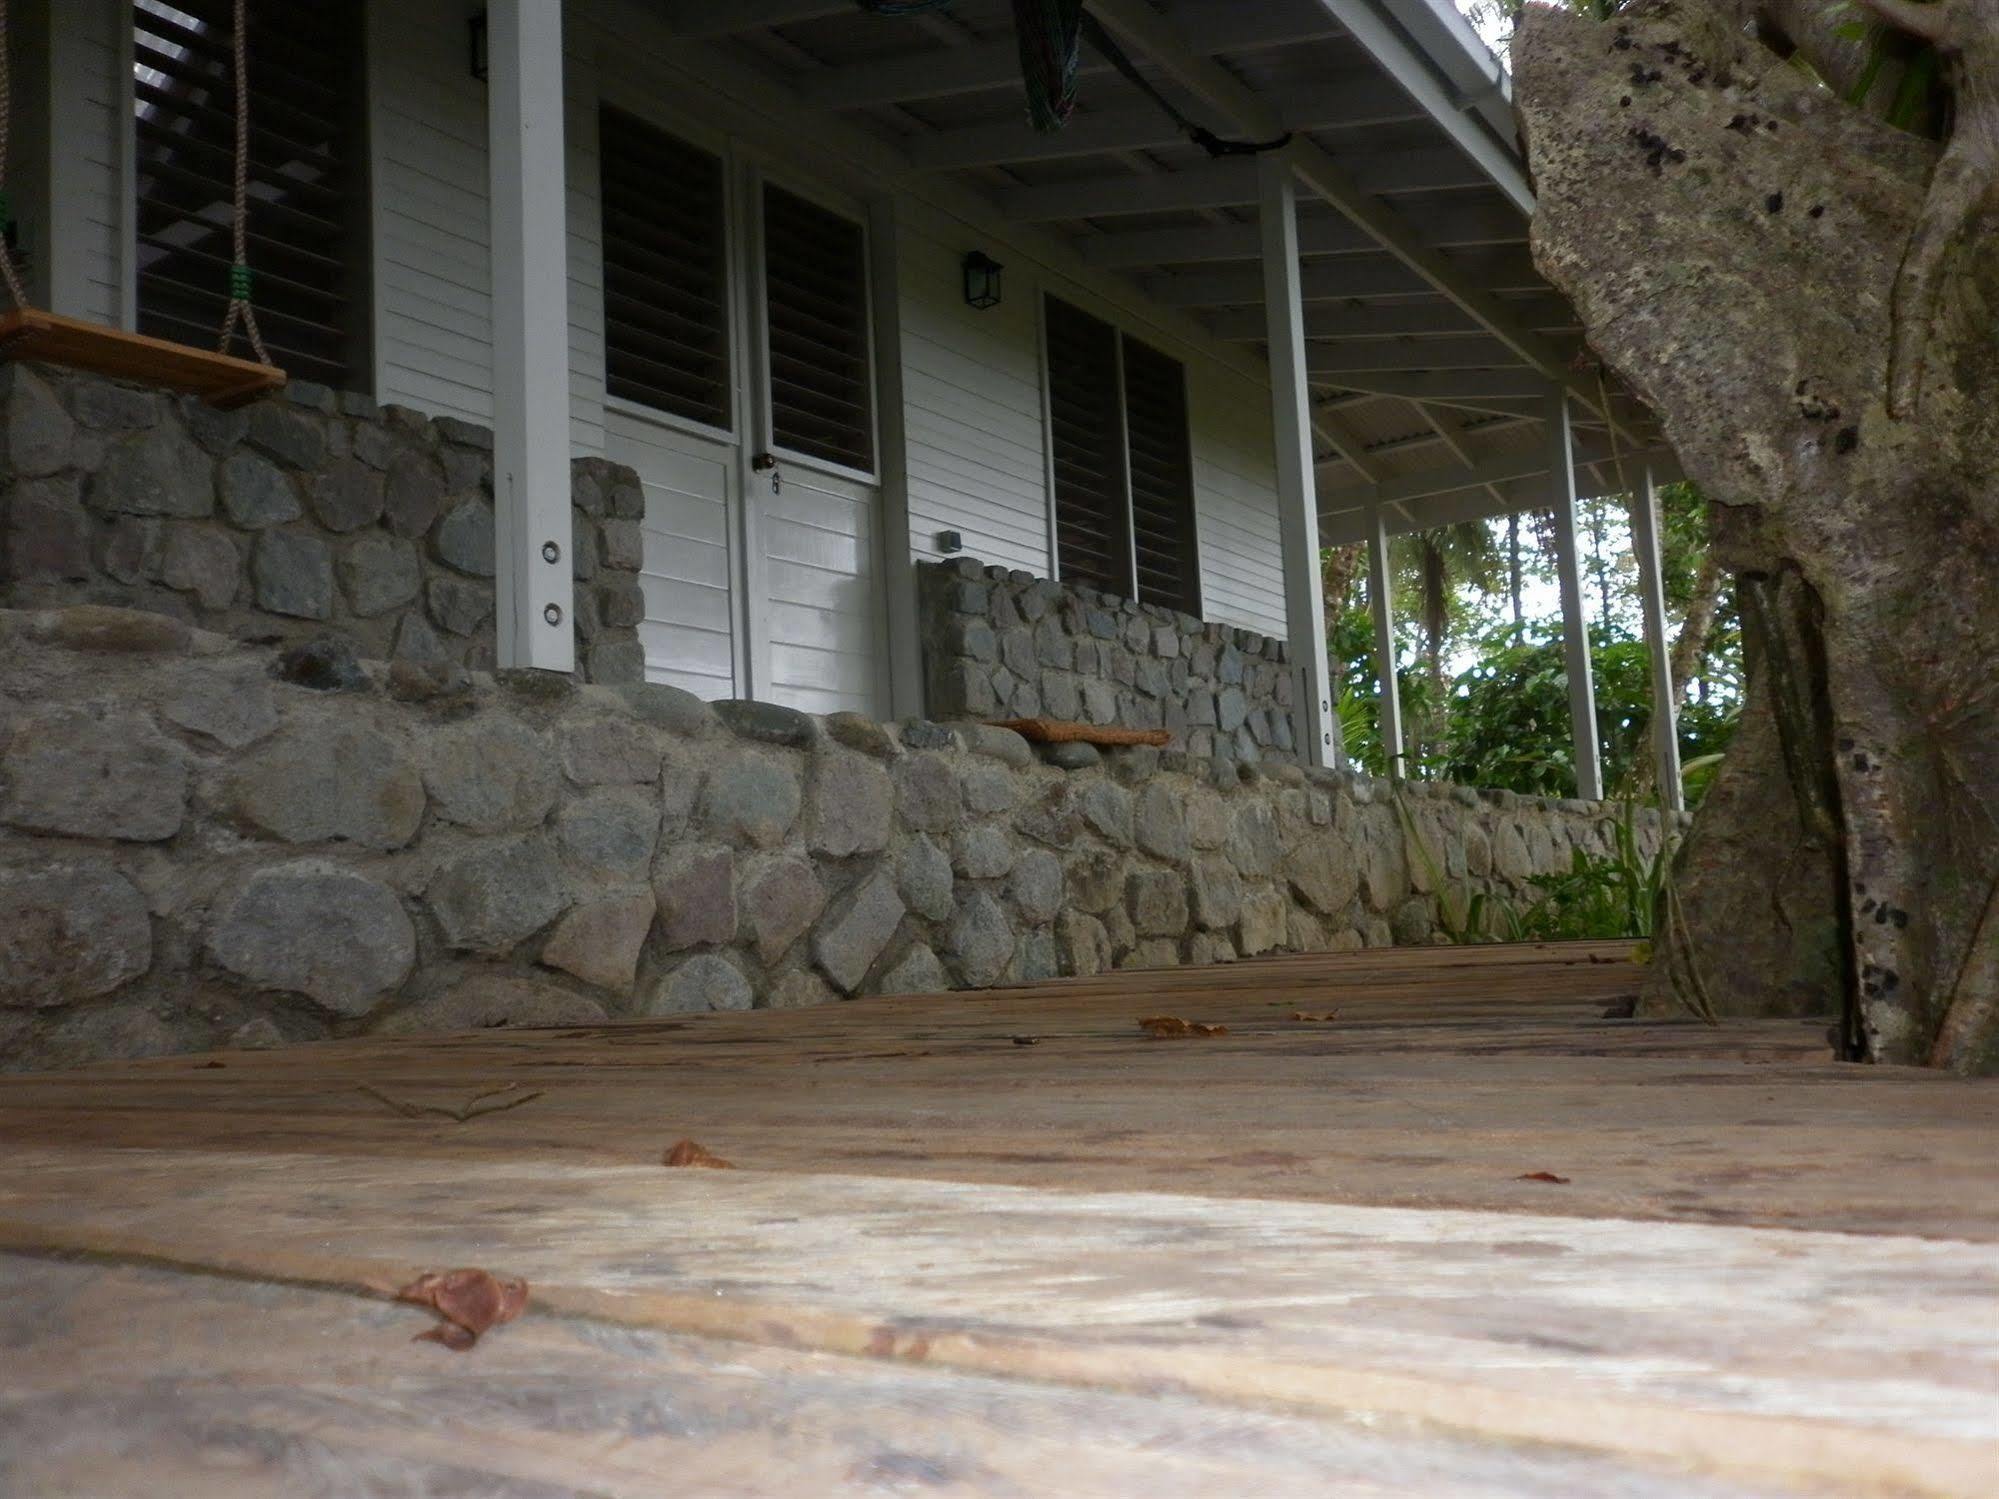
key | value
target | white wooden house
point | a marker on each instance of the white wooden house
(727, 244)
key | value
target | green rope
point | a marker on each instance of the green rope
(239, 283)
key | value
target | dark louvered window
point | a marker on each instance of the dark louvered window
(816, 290)
(307, 177)
(1124, 492)
(666, 318)
(1093, 544)
(1162, 479)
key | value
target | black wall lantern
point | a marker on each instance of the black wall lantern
(982, 280)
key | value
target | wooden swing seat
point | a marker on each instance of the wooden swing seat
(221, 380)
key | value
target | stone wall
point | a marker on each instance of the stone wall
(197, 848)
(304, 514)
(1000, 644)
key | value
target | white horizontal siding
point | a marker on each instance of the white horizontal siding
(86, 59)
(977, 460)
(1235, 499)
(433, 266)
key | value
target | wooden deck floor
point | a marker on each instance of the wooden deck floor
(1307, 1256)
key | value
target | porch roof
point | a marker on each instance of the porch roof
(1432, 340)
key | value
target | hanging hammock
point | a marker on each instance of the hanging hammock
(217, 377)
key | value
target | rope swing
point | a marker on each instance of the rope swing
(30, 333)
(1051, 33)
(240, 309)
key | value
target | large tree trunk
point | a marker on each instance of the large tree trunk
(1731, 235)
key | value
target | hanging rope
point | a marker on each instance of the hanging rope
(1050, 36)
(240, 310)
(8, 272)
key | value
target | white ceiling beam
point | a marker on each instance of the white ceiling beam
(1355, 278)
(706, 18)
(1458, 224)
(1521, 463)
(1226, 184)
(1345, 100)
(1222, 90)
(1446, 430)
(1548, 313)
(1358, 356)
(1231, 27)
(1507, 389)
(1392, 51)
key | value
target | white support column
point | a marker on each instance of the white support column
(904, 644)
(1381, 599)
(1575, 619)
(534, 593)
(1665, 693)
(1297, 491)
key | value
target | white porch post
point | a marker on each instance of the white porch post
(1381, 599)
(1297, 492)
(535, 601)
(1665, 696)
(1575, 622)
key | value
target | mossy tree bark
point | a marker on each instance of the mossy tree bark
(1733, 235)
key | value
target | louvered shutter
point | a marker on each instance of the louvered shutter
(307, 176)
(816, 302)
(1162, 479)
(666, 318)
(1086, 441)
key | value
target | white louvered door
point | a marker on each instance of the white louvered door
(814, 516)
(739, 369)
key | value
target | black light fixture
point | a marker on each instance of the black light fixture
(476, 27)
(982, 280)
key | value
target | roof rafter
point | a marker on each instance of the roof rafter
(1355, 278)
(1391, 319)
(996, 64)
(704, 18)
(1227, 184)
(1146, 29)
(1474, 351)
(1354, 98)
(1464, 224)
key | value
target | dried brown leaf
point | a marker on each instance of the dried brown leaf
(689, 1153)
(1304, 1015)
(468, 1300)
(1162, 1026)
(1542, 1176)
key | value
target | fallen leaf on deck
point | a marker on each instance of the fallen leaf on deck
(1542, 1176)
(469, 1301)
(1026, 1040)
(1302, 1015)
(688, 1153)
(1160, 1026)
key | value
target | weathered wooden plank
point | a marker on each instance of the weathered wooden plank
(1448, 1073)
(1870, 1362)
(568, 1405)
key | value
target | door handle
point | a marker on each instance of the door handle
(766, 463)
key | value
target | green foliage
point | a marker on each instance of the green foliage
(1508, 711)
(1599, 897)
